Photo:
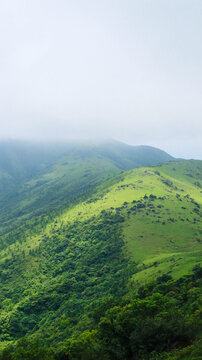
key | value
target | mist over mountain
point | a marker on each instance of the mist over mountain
(22, 158)
(100, 180)
(130, 71)
(34, 176)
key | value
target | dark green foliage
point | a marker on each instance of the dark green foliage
(167, 182)
(81, 265)
(163, 316)
(25, 350)
(152, 197)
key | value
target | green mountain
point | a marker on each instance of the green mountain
(36, 178)
(112, 272)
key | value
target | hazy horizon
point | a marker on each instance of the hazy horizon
(126, 70)
(79, 141)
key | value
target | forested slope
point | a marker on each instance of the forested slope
(98, 279)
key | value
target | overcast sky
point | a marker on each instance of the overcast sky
(126, 69)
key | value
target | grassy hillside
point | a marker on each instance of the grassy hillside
(36, 178)
(61, 272)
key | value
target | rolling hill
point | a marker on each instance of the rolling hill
(36, 178)
(69, 276)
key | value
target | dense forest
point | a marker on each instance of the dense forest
(149, 324)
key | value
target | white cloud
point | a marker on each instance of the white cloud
(124, 69)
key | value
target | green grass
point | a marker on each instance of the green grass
(158, 215)
(174, 264)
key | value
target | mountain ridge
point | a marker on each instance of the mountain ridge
(52, 175)
(70, 260)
